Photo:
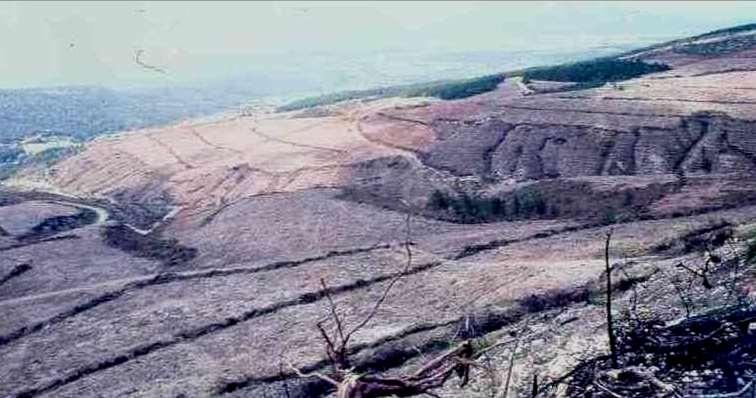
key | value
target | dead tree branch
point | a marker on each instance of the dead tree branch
(609, 320)
(349, 384)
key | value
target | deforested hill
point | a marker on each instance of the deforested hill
(199, 259)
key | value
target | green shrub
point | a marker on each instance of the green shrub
(438, 201)
(609, 217)
(457, 89)
(528, 203)
(468, 208)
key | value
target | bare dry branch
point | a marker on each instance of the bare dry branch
(407, 267)
(308, 375)
(334, 311)
(609, 320)
(607, 390)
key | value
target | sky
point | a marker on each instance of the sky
(90, 43)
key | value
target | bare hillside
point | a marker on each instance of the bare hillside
(187, 260)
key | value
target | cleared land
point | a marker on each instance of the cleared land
(210, 300)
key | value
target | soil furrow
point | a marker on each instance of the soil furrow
(170, 151)
(472, 250)
(391, 352)
(489, 153)
(34, 242)
(403, 119)
(406, 150)
(16, 271)
(607, 149)
(204, 140)
(194, 333)
(168, 278)
(690, 151)
(531, 108)
(739, 150)
(279, 140)
(722, 72)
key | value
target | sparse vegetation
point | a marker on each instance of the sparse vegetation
(466, 208)
(168, 251)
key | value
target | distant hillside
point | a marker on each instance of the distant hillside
(84, 112)
(589, 73)
(443, 89)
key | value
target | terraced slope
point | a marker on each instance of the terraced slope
(207, 268)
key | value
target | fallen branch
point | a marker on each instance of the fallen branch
(607, 390)
(730, 394)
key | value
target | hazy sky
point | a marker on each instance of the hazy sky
(90, 43)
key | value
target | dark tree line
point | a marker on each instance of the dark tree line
(596, 71)
(468, 208)
(443, 89)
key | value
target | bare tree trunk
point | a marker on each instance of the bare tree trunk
(609, 320)
(505, 391)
